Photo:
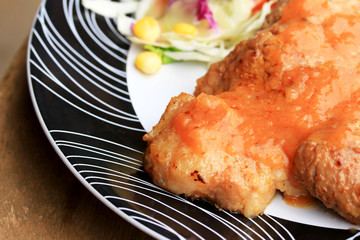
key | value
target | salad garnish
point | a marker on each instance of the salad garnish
(185, 30)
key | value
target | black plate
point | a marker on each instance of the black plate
(77, 78)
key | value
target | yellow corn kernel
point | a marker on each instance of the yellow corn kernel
(147, 29)
(148, 62)
(185, 28)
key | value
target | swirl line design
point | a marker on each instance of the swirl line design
(77, 79)
(126, 182)
(284, 228)
(151, 220)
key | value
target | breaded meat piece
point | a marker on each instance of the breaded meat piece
(328, 164)
(203, 158)
(253, 60)
(276, 96)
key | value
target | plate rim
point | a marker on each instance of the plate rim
(61, 155)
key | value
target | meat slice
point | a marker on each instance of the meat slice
(328, 165)
(199, 158)
(246, 62)
(237, 140)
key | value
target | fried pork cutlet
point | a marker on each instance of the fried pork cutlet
(328, 164)
(258, 113)
(187, 155)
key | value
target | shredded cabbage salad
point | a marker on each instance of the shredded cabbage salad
(219, 24)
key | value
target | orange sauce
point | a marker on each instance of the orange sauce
(205, 112)
(303, 201)
(318, 85)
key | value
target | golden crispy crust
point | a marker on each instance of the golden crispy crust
(328, 165)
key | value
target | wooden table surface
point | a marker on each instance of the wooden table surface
(39, 196)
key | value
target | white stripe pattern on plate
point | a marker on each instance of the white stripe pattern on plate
(88, 159)
(80, 86)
